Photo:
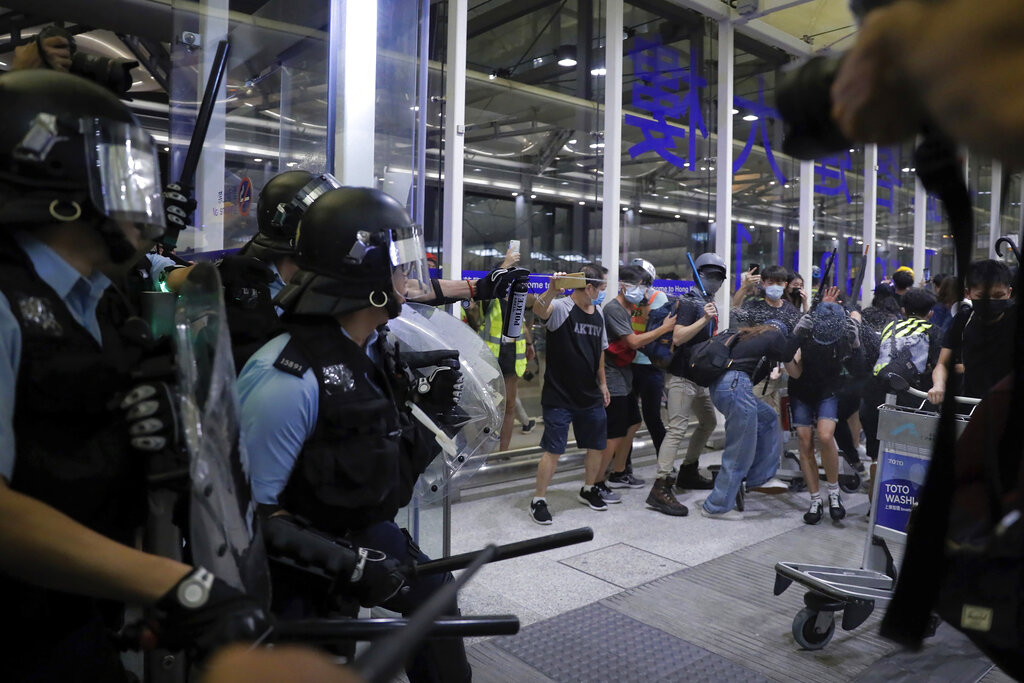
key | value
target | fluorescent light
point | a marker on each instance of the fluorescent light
(599, 71)
(567, 61)
(750, 117)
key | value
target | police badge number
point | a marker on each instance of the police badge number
(339, 376)
(37, 312)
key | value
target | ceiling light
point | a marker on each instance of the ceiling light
(599, 71)
(573, 141)
(678, 216)
(414, 107)
(750, 117)
(491, 76)
(515, 194)
(735, 111)
(566, 55)
(533, 196)
(257, 159)
(596, 145)
(582, 203)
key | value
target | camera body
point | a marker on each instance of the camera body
(113, 74)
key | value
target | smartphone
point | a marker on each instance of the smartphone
(571, 281)
(513, 246)
(754, 268)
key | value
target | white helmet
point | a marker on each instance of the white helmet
(646, 265)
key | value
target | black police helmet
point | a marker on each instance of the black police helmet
(71, 151)
(344, 255)
(280, 207)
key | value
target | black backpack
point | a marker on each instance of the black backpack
(711, 359)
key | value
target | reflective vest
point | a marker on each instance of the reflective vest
(908, 337)
(490, 332)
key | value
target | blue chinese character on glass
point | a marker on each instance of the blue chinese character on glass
(934, 210)
(666, 91)
(758, 129)
(888, 177)
(833, 175)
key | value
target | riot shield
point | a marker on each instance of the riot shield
(222, 521)
(425, 328)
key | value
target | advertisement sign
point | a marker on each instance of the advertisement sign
(901, 476)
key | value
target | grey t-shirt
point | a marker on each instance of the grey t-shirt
(618, 323)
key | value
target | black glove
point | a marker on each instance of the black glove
(154, 419)
(201, 613)
(376, 578)
(179, 206)
(496, 284)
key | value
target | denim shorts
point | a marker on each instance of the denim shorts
(589, 424)
(807, 414)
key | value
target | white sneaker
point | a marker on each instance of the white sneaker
(772, 486)
(729, 516)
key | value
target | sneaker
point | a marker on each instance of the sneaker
(729, 515)
(835, 507)
(624, 480)
(607, 495)
(539, 512)
(528, 426)
(592, 498)
(772, 486)
(813, 514)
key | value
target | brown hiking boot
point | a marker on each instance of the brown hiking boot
(662, 500)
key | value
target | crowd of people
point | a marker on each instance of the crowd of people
(818, 364)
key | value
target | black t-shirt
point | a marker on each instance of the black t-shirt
(691, 309)
(985, 349)
(575, 342)
(822, 370)
(757, 311)
(771, 345)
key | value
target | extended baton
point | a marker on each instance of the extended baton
(506, 552)
(334, 630)
(824, 277)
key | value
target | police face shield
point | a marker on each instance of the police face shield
(411, 274)
(124, 176)
(317, 185)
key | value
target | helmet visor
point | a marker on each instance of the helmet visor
(308, 194)
(409, 260)
(124, 174)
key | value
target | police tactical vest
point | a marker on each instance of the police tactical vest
(252, 319)
(71, 440)
(365, 454)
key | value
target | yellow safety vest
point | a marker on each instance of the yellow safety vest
(490, 332)
(898, 329)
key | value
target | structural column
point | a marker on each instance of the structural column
(920, 222)
(611, 216)
(806, 240)
(994, 217)
(352, 82)
(870, 222)
(454, 139)
(723, 194)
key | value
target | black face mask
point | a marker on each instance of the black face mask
(990, 309)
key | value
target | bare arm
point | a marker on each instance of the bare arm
(940, 374)
(176, 277)
(542, 305)
(602, 382)
(750, 282)
(684, 333)
(45, 547)
(635, 341)
(795, 367)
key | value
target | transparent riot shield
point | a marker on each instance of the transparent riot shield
(425, 328)
(222, 521)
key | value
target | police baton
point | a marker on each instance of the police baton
(504, 552)
(823, 285)
(382, 660)
(855, 292)
(321, 631)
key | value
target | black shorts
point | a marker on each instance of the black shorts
(507, 359)
(623, 412)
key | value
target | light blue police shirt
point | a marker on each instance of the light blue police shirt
(80, 294)
(278, 415)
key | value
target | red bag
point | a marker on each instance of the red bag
(619, 353)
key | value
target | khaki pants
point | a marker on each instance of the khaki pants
(684, 398)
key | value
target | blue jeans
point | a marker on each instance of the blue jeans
(752, 440)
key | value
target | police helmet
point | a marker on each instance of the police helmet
(71, 151)
(710, 260)
(356, 247)
(281, 204)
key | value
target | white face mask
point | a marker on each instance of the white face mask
(634, 294)
(774, 291)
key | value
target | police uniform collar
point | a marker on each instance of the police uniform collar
(58, 273)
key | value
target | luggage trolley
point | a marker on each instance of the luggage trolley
(906, 436)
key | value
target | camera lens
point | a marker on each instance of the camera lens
(113, 74)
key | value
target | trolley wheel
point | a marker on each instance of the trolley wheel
(849, 483)
(805, 630)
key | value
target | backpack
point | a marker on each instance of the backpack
(659, 351)
(904, 349)
(711, 359)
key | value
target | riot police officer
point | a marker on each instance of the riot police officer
(334, 450)
(80, 195)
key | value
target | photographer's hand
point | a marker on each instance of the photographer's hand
(56, 52)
